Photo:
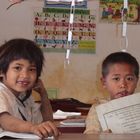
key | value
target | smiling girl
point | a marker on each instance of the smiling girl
(21, 63)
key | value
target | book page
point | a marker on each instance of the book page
(121, 115)
(20, 135)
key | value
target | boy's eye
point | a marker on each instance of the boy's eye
(116, 78)
(130, 78)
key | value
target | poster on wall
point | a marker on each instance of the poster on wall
(64, 4)
(52, 23)
(112, 11)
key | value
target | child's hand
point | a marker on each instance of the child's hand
(39, 87)
(45, 129)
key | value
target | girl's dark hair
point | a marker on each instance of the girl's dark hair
(20, 49)
(119, 57)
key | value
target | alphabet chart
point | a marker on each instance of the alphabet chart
(51, 29)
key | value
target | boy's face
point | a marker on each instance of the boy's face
(120, 81)
(21, 76)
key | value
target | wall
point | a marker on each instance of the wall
(80, 79)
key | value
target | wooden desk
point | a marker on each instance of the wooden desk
(70, 105)
(78, 136)
(70, 129)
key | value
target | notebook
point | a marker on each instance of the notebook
(9, 134)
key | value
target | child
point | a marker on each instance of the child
(21, 62)
(120, 74)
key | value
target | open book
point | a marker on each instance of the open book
(8, 134)
(121, 115)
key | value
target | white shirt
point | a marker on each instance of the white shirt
(11, 104)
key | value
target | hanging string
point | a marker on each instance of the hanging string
(70, 29)
(124, 25)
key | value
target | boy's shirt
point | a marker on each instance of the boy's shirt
(92, 121)
(28, 110)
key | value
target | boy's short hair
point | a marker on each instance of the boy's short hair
(20, 49)
(119, 57)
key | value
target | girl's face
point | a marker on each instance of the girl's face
(120, 81)
(21, 76)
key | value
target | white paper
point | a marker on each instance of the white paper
(124, 29)
(68, 54)
(71, 18)
(63, 115)
(121, 115)
(73, 122)
(125, 3)
(20, 135)
(69, 35)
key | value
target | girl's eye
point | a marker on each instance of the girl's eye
(32, 69)
(17, 68)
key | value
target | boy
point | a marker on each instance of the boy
(21, 63)
(120, 74)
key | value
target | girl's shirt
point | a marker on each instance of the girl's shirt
(27, 110)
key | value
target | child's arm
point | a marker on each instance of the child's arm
(46, 108)
(107, 131)
(92, 123)
(10, 123)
